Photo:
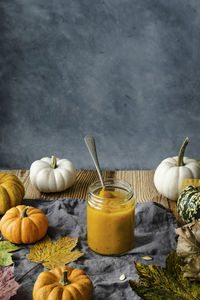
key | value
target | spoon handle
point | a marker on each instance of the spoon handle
(90, 142)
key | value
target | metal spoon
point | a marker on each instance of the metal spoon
(90, 142)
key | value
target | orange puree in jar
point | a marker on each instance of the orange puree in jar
(110, 219)
(105, 194)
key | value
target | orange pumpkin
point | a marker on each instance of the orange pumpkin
(11, 192)
(63, 283)
(24, 224)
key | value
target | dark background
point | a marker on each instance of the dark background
(125, 71)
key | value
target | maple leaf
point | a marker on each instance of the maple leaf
(8, 285)
(5, 256)
(56, 254)
(158, 283)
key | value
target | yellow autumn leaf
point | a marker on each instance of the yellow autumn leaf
(56, 254)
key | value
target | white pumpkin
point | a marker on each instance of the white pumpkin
(171, 171)
(51, 175)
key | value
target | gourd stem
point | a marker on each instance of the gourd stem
(181, 152)
(23, 213)
(64, 280)
(53, 162)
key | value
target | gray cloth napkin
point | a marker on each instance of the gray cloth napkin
(154, 236)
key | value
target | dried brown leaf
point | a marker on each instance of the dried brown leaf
(188, 247)
(189, 239)
(191, 269)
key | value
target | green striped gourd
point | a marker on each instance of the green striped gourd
(188, 204)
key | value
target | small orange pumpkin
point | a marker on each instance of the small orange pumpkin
(24, 224)
(63, 283)
(11, 192)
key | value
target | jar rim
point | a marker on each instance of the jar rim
(111, 182)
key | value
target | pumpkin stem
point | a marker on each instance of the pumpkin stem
(64, 280)
(53, 162)
(181, 153)
(23, 213)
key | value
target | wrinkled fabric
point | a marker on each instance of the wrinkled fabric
(154, 236)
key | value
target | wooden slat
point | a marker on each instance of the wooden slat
(79, 189)
(142, 182)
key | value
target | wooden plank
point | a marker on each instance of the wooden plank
(79, 190)
(142, 182)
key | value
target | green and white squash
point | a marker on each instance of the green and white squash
(188, 204)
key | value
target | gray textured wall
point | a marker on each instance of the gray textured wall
(125, 71)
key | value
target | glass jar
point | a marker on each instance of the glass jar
(110, 220)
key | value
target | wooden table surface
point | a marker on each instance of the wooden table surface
(142, 182)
